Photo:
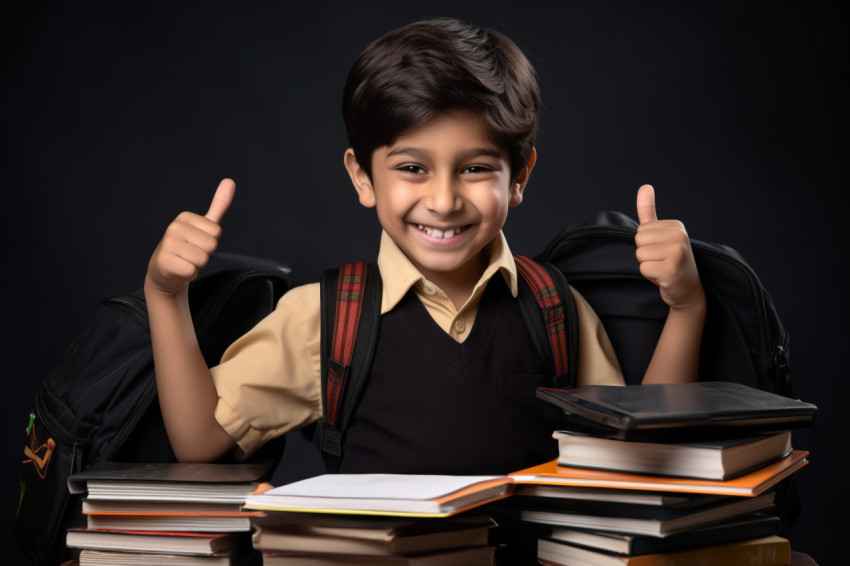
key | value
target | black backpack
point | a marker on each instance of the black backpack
(743, 339)
(99, 402)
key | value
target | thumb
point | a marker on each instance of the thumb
(646, 204)
(221, 200)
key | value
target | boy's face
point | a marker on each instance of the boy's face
(442, 193)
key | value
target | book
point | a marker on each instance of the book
(210, 483)
(167, 516)
(383, 494)
(106, 507)
(766, 551)
(157, 541)
(718, 459)
(747, 527)
(475, 556)
(368, 541)
(220, 523)
(750, 484)
(646, 520)
(676, 411)
(112, 558)
(603, 494)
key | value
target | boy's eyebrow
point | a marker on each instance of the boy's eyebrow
(472, 153)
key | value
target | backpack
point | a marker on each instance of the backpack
(351, 299)
(99, 401)
(743, 338)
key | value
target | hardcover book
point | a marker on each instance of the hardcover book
(709, 459)
(158, 541)
(364, 541)
(765, 551)
(747, 527)
(208, 483)
(114, 558)
(475, 556)
(643, 519)
(710, 409)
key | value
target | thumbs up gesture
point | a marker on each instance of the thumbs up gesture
(187, 245)
(665, 255)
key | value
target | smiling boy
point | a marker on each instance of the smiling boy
(441, 119)
(442, 193)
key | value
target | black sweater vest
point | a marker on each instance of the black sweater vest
(433, 405)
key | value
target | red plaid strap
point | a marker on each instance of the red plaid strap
(348, 306)
(546, 294)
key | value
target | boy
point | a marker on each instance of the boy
(441, 118)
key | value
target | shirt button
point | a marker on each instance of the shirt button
(459, 326)
(429, 288)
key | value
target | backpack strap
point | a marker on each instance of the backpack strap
(351, 296)
(547, 295)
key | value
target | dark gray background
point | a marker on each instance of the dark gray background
(117, 115)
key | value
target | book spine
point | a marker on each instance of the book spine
(767, 551)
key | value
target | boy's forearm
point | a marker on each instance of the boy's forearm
(187, 394)
(676, 356)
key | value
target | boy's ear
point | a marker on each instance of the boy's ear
(361, 181)
(518, 185)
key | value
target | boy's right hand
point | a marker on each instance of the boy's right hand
(187, 245)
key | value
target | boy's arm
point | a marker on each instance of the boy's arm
(186, 391)
(665, 257)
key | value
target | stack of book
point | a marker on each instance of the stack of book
(679, 474)
(378, 519)
(165, 513)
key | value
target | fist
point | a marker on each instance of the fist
(665, 256)
(187, 245)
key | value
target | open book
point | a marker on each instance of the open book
(384, 494)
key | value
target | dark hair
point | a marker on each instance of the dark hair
(411, 74)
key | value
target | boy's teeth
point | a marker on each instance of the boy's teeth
(435, 233)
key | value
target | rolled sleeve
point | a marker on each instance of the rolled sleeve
(268, 381)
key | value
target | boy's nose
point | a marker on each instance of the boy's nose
(443, 196)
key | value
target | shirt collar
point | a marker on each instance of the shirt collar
(398, 274)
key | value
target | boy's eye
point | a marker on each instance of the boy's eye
(478, 169)
(410, 168)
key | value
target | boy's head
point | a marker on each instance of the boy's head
(412, 74)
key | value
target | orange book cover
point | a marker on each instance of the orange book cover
(751, 484)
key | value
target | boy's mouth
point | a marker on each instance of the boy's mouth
(441, 234)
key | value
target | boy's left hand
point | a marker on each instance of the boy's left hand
(665, 255)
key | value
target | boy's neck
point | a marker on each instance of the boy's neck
(459, 284)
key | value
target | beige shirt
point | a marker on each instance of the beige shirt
(269, 380)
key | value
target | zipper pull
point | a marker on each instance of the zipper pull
(30, 423)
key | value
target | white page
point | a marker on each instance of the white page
(379, 486)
